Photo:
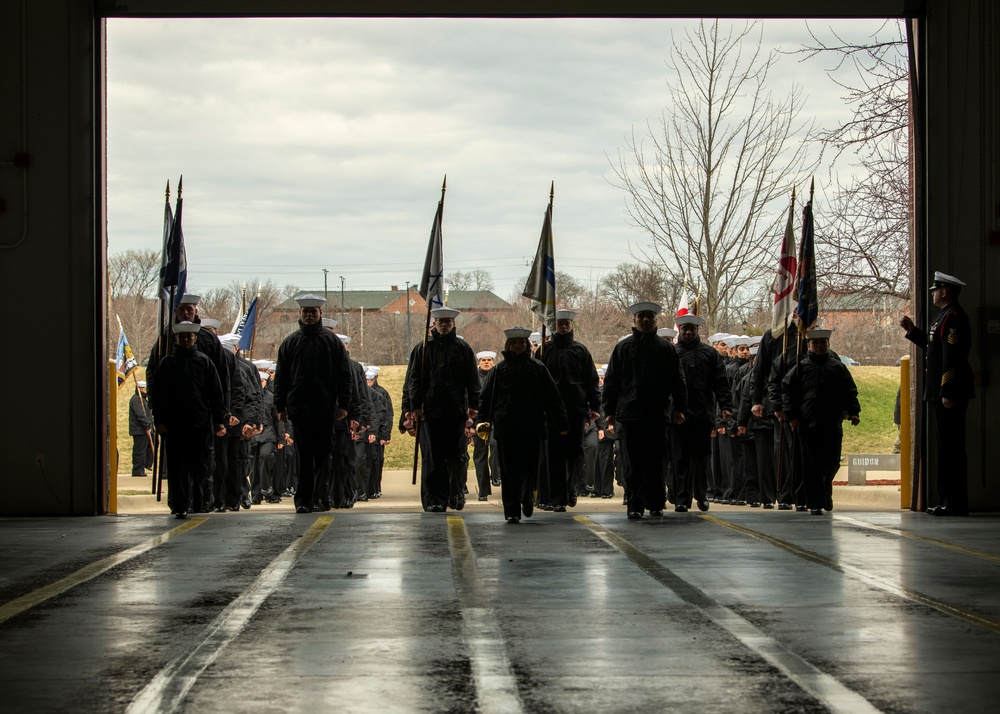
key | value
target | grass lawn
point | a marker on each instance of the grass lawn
(876, 433)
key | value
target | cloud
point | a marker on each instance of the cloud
(312, 143)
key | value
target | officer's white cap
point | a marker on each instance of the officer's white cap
(818, 334)
(189, 299)
(210, 322)
(370, 375)
(645, 307)
(374, 369)
(689, 320)
(943, 279)
(310, 300)
(754, 348)
(486, 354)
(535, 337)
(186, 326)
(141, 383)
(345, 339)
(328, 322)
(666, 332)
(718, 337)
(601, 371)
(565, 314)
(755, 340)
(512, 333)
(439, 313)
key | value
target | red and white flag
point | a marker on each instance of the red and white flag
(784, 281)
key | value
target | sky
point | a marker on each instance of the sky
(322, 143)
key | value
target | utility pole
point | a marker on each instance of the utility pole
(343, 322)
(325, 295)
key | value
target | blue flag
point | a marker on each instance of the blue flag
(125, 362)
(247, 326)
(541, 285)
(174, 273)
(432, 281)
(806, 296)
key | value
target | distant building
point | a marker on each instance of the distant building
(867, 327)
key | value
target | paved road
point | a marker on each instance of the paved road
(747, 611)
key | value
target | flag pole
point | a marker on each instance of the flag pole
(423, 353)
(552, 195)
(253, 335)
(784, 359)
(161, 318)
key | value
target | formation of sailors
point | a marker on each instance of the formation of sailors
(239, 450)
(673, 419)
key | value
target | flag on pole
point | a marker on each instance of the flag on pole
(247, 326)
(784, 281)
(432, 281)
(174, 273)
(541, 285)
(125, 362)
(685, 307)
(168, 222)
(807, 310)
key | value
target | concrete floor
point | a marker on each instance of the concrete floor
(370, 610)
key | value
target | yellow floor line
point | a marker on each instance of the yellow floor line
(91, 571)
(926, 539)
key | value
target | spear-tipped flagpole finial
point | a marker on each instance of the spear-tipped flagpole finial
(812, 187)
(167, 194)
(180, 186)
(793, 195)
(552, 190)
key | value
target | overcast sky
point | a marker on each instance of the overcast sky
(322, 143)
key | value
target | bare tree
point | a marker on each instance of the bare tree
(134, 273)
(630, 283)
(867, 235)
(711, 186)
(477, 279)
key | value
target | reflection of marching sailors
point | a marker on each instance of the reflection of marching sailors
(519, 400)
(644, 389)
(380, 432)
(312, 385)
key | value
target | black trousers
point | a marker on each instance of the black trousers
(604, 468)
(763, 442)
(314, 439)
(442, 442)
(262, 485)
(953, 460)
(189, 453)
(484, 456)
(643, 444)
(820, 460)
(564, 454)
(142, 454)
(518, 457)
(337, 489)
(691, 444)
(788, 463)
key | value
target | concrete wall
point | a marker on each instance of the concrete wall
(52, 228)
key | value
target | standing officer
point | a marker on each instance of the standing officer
(643, 390)
(948, 386)
(484, 454)
(312, 385)
(707, 391)
(575, 374)
(442, 392)
(818, 395)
